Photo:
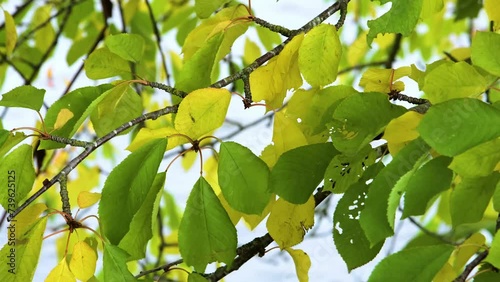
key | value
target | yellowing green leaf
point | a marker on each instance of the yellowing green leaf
(383, 80)
(62, 117)
(87, 199)
(102, 63)
(286, 134)
(302, 263)
(202, 111)
(205, 8)
(128, 46)
(453, 80)
(483, 55)
(119, 105)
(61, 273)
(319, 55)
(478, 161)
(146, 134)
(251, 51)
(402, 130)
(83, 261)
(467, 249)
(288, 223)
(270, 82)
(10, 33)
(430, 7)
(401, 18)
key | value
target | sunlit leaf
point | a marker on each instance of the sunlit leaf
(288, 223)
(453, 80)
(61, 273)
(383, 80)
(480, 160)
(402, 130)
(286, 134)
(206, 233)
(11, 33)
(202, 111)
(302, 263)
(483, 54)
(319, 55)
(25, 96)
(205, 8)
(62, 117)
(87, 199)
(467, 249)
(9, 139)
(145, 135)
(83, 261)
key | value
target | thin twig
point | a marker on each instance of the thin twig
(394, 51)
(158, 41)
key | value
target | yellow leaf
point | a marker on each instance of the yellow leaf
(319, 55)
(402, 130)
(28, 216)
(188, 160)
(383, 80)
(61, 273)
(491, 8)
(286, 134)
(461, 54)
(253, 220)
(251, 51)
(466, 250)
(384, 40)
(145, 135)
(270, 82)
(446, 273)
(83, 261)
(302, 263)
(268, 155)
(88, 178)
(357, 50)
(87, 199)
(202, 111)
(430, 7)
(62, 118)
(11, 33)
(288, 223)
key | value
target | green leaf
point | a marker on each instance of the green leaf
(465, 210)
(374, 218)
(243, 178)
(478, 161)
(299, 171)
(26, 253)
(483, 54)
(451, 127)
(115, 264)
(202, 111)
(453, 80)
(355, 122)
(494, 252)
(319, 55)
(141, 226)
(467, 9)
(10, 33)
(17, 175)
(419, 264)
(128, 46)
(350, 240)
(204, 8)
(25, 96)
(195, 277)
(9, 139)
(195, 73)
(431, 179)
(102, 63)
(80, 102)
(343, 171)
(118, 106)
(401, 18)
(267, 37)
(206, 233)
(127, 187)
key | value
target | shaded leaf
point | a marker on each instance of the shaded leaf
(128, 46)
(480, 160)
(10, 33)
(25, 96)
(102, 63)
(115, 264)
(483, 51)
(204, 8)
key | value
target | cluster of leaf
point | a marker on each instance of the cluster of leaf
(449, 155)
